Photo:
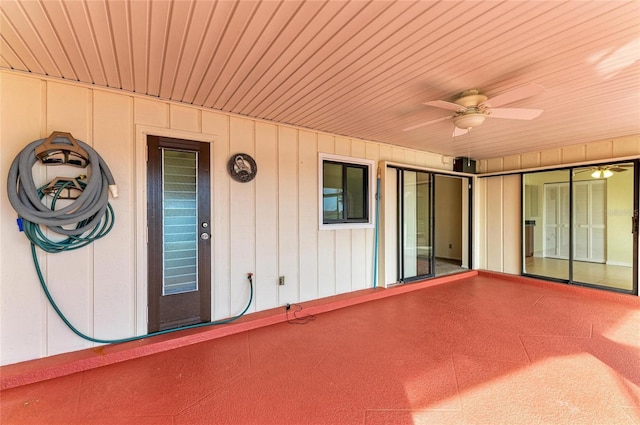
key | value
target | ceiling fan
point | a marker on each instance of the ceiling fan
(471, 108)
(605, 171)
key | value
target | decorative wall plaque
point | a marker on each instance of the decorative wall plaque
(242, 167)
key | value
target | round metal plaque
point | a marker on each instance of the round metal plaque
(242, 167)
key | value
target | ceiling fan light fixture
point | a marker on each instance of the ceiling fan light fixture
(468, 121)
(471, 108)
(601, 172)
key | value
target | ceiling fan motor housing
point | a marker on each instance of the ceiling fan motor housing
(471, 98)
(473, 113)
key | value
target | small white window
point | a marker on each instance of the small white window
(347, 192)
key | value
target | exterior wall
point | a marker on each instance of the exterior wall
(268, 226)
(499, 196)
(499, 236)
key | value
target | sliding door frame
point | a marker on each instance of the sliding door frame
(635, 225)
(399, 223)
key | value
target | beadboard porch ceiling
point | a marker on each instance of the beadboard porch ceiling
(361, 69)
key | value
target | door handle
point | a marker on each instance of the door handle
(204, 235)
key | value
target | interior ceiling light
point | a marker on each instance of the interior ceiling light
(602, 172)
(470, 120)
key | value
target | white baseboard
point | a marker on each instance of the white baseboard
(619, 263)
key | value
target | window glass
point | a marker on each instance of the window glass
(356, 193)
(344, 192)
(332, 192)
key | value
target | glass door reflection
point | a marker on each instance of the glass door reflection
(603, 226)
(580, 225)
(416, 230)
(546, 224)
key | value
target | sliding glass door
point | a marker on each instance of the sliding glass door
(603, 223)
(546, 224)
(415, 225)
(428, 224)
(580, 225)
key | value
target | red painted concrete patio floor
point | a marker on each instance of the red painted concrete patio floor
(481, 350)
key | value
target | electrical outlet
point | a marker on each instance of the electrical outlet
(281, 280)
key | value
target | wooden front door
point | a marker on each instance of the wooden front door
(179, 244)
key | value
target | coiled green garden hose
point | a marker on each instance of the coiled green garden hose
(86, 219)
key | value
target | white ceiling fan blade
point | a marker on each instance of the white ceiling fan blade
(459, 131)
(413, 127)
(515, 113)
(445, 105)
(514, 95)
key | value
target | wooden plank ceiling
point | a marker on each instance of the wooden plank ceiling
(357, 68)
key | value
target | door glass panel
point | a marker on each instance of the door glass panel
(603, 238)
(410, 227)
(180, 218)
(423, 224)
(564, 223)
(417, 248)
(546, 224)
(581, 220)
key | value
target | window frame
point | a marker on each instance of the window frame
(371, 187)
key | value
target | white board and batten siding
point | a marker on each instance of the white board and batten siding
(268, 226)
(500, 235)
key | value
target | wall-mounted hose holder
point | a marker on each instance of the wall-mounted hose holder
(64, 188)
(86, 211)
(62, 148)
(88, 215)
